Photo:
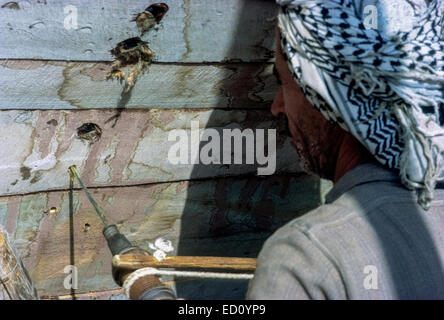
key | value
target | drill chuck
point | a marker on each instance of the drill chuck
(148, 287)
(145, 288)
(117, 242)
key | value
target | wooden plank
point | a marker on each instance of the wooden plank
(217, 217)
(39, 146)
(14, 280)
(190, 289)
(28, 84)
(191, 31)
(116, 294)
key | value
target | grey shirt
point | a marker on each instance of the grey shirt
(371, 240)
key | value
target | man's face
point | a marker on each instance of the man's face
(314, 137)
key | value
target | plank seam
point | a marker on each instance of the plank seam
(173, 63)
(139, 109)
(242, 176)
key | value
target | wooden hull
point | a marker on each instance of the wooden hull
(213, 64)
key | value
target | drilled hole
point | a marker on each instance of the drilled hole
(11, 5)
(86, 227)
(89, 131)
(52, 210)
(52, 122)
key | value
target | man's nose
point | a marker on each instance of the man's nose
(278, 105)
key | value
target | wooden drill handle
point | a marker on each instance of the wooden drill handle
(134, 262)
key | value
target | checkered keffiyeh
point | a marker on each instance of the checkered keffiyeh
(386, 90)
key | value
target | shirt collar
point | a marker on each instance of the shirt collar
(363, 173)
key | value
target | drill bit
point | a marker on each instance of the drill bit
(117, 242)
(150, 286)
(73, 173)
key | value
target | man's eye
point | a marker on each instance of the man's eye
(276, 74)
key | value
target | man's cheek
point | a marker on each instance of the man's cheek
(303, 156)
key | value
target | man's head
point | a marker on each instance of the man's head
(384, 89)
(317, 140)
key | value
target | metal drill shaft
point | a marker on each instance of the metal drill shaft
(73, 173)
(151, 287)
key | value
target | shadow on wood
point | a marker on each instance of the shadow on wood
(249, 213)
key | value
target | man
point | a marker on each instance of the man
(366, 110)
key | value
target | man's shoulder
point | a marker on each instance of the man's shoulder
(340, 211)
(354, 204)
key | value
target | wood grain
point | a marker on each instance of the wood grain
(213, 63)
(214, 217)
(39, 146)
(191, 31)
(14, 280)
(29, 84)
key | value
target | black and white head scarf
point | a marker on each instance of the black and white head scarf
(385, 89)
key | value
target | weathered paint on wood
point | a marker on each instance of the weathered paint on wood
(14, 280)
(115, 294)
(30, 84)
(217, 217)
(191, 31)
(39, 146)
